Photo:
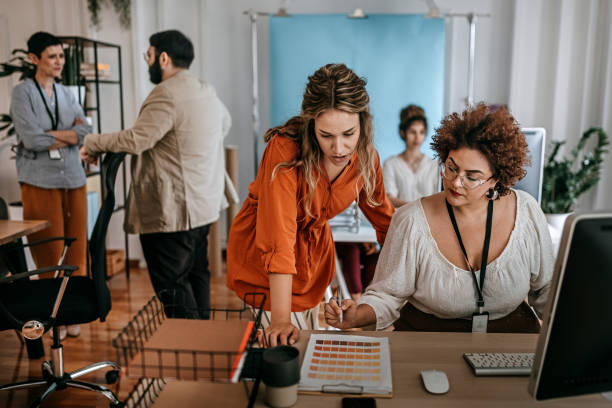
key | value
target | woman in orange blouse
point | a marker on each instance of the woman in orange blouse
(314, 167)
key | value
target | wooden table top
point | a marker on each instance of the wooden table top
(13, 230)
(411, 353)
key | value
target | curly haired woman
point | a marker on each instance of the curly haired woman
(314, 167)
(469, 254)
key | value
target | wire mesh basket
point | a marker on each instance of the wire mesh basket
(146, 348)
(144, 393)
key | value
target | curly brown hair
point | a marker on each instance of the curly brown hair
(495, 134)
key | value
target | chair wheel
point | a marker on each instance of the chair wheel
(111, 377)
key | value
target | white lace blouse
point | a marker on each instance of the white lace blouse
(412, 268)
(407, 185)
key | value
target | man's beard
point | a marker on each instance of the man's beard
(155, 72)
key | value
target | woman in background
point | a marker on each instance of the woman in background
(313, 167)
(408, 176)
(469, 254)
(50, 127)
(411, 175)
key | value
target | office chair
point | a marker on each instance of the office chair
(35, 306)
(13, 260)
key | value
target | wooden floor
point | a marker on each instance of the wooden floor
(94, 344)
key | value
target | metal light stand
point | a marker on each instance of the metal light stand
(255, 78)
(471, 18)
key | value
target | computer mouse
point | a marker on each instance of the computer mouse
(435, 381)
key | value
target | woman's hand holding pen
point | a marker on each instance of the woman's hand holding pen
(348, 311)
(279, 334)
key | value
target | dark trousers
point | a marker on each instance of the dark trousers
(357, 267)
(178, 267)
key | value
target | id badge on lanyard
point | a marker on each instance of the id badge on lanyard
(480, 318)
(54, 154)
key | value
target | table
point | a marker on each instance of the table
(365, 234)
(13, 230)
(411, 352)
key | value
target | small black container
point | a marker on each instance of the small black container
(281, 366)
(281, 374)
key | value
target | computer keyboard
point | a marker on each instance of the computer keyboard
(500, 363)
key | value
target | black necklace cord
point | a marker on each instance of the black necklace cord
(485, 251)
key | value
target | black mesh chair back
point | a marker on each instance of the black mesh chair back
(3, 216)
(97, 247)
(3, 210)
(35, 306)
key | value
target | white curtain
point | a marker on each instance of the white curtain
(561, 74)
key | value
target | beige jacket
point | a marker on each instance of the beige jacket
(178, 165)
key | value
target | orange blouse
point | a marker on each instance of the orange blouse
(273, 234)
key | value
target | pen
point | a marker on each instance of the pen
(339, 303)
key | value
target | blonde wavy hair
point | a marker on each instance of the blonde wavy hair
(333, 86)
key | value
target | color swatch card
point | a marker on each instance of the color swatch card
(346, 364)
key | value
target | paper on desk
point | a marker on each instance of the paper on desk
(343, 363)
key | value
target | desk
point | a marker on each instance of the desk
(412, 352)
(13, 230)
(365, 234)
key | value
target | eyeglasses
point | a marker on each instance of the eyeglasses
(467, 181)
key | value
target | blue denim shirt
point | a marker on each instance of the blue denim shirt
(31, 120)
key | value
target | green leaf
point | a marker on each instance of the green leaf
(563, 186)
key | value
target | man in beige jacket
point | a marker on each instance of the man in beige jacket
(177, 187)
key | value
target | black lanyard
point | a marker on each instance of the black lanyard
(485, 250)
(54, 122)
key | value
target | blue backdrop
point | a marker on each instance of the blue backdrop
(401, 56)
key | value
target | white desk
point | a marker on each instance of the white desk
(365, 234)
(342, 234)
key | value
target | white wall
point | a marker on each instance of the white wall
(561, 74)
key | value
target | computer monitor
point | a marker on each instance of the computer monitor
(532, 182)
(574, 352)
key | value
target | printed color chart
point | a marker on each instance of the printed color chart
(340, 363)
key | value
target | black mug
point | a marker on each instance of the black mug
(281, 375)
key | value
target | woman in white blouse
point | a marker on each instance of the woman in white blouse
(422, 265)
(410, 175)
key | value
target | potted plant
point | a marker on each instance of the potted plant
(122, 7)
(71, 74)
(566, 179)
(19, 63)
